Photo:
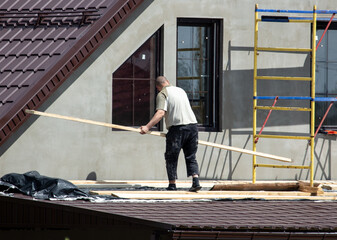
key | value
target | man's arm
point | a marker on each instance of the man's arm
(155, 119)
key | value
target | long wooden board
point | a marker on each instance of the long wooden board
(111, 184)
(225, 147)
(272, 186)
(291, 186)
(118, 193)
(182, 195)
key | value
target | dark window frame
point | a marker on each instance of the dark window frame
(216, 85)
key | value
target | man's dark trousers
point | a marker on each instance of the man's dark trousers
(181, 137)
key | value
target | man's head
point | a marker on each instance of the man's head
(161, 82)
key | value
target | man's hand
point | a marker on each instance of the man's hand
(155, 119)
(144, 129)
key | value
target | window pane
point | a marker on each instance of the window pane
(194, 71)
(321, 53)
(185, 68)
(332, 41)
(332, 78)
(192, 88)
(141, 102)
(185, 37)
(122, 102)
(185, 54)
(125, 70)
(134, 87)
(196, 36)
(142, 61)
(321, 77)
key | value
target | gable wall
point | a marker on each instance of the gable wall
(72, 150)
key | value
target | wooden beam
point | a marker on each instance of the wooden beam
(281, 186)
(182, 195)
(229, 148)
(118, 193)
(314, 190)
(245, 151)
(291, 186)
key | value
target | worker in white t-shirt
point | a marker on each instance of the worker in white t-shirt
(173, 104)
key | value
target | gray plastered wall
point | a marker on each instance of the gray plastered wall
(72, 150)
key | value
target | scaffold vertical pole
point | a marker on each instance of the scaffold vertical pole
(255, 91)
(313, 82)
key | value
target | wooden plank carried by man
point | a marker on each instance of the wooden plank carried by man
(160, 134)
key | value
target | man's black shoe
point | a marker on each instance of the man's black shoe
(195, 188)
(195, 185)
(171, 187)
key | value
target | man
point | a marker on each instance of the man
(173, 104)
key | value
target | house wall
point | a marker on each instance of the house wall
(73, 150)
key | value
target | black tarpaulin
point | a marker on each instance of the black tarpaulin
(39, 186)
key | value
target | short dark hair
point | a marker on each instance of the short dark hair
(161, 80)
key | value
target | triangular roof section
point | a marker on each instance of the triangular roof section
(42, 43)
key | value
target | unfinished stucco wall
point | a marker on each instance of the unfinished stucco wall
(73, 150)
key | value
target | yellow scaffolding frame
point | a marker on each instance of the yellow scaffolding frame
(311, 50)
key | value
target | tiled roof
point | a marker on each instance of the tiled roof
(42, 43)
(230, 216)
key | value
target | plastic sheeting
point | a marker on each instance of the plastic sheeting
(39, 186)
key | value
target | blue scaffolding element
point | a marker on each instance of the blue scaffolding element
(316, 99)
(297, 11)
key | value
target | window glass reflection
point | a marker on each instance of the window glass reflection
(194, 61)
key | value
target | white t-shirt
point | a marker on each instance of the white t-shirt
(174, 101)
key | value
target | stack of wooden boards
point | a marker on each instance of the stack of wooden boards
(290, 190)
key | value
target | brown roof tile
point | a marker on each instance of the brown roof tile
(42, 43)
(263, 215)
(244, 215)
